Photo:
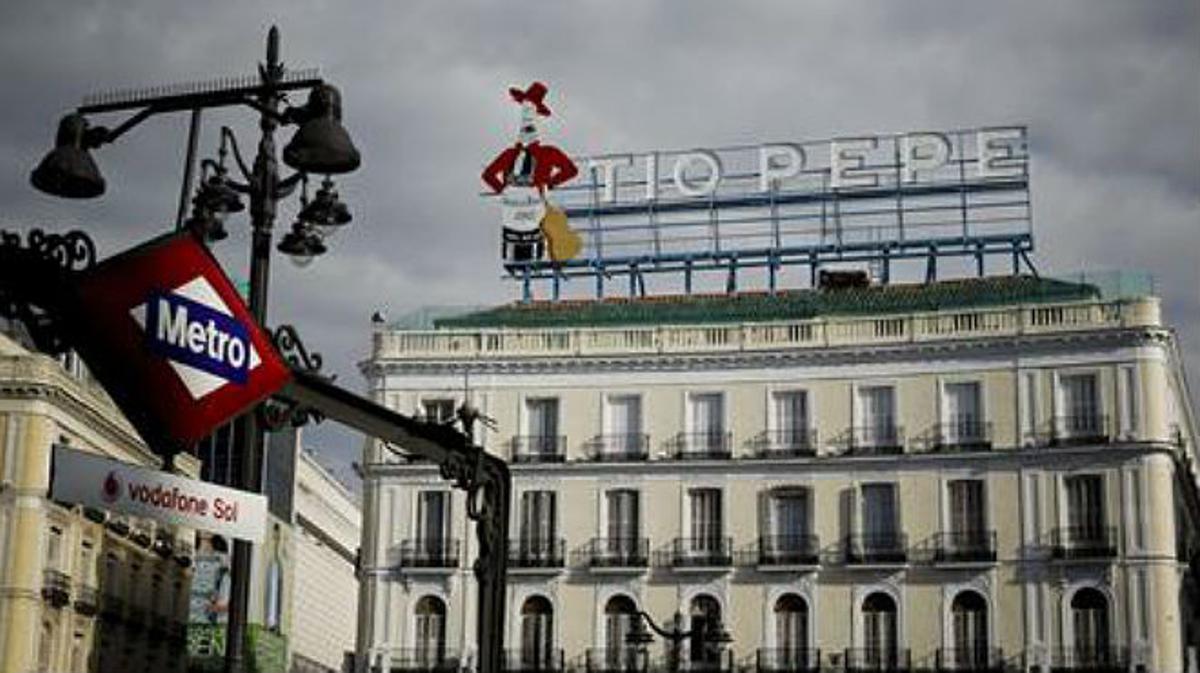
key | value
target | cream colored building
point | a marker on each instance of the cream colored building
(969, 475)
(79, 590)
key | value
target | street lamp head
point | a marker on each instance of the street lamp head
(69, 170)
(326, 211)
(638, 634)
(301, 244)
(716, 634)
(216, 195)
(322, 145)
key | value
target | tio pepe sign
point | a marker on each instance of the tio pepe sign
(96, 481)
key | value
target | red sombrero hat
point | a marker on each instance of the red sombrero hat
(534, 94)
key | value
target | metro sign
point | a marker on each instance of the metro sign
(172, 341)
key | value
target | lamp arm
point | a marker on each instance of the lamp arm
(673, 635)
(100, 135)
(287, 185)
(288, 116)
(227, 135)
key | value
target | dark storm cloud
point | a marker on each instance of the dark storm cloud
(1109, 90)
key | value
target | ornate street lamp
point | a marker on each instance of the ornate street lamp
(713, 635)
(320, 145)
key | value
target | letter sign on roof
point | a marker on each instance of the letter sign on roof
(166, 333)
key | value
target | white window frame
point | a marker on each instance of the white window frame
(857, 414)
(1129, 402)
(689, 420)
(943, 399)
(1058, 397)
(606, 407)
(415, 516)
(772, 425)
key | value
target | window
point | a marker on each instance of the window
(430, 636)
(880, 518)
(879, 631)
(791, 420)
(791, 632)
(708, 422)
(705, 615)
(877, 407)
(54, 548)
(433, 523)
(537, 634)
(438, 410)
(970, 632)
(87, 562)
(968, 518)
(620, 613)
(705, 509)
(542, 424)
(1089, 618)
(1080, 407)
(623, 530)
(537, 523)
(624, 425)
(1129, 402)
(1085, 509)
(963, 423)
(788, 526)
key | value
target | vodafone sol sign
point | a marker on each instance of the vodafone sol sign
(96, 481)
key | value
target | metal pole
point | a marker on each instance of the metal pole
(263, 202)
(189, 168)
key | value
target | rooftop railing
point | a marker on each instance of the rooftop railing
(813, 333)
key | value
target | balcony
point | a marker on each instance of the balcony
(429, 553)
(615, 554)
(1102, 659)
(874, 659)
(973, 546)
(790, 660)
(87, 600)
(711, 662)
(1083, 542)
(619, 448)
(972, 659)
(532, 660)
(962, 436)
(56, 587)
(535, 554)
(702, 446)
(702, 553)
(616, 660)
(539, 448)
(783, 552)
(1079, 430)
(871, 440)
(789, 443)
(867, 549)
(430, 659)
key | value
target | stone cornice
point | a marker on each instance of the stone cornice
(1000, 346)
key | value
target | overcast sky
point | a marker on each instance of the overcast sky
(1110, 91)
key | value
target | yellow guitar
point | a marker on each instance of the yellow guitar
(561, 241)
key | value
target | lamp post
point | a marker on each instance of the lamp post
(712, 635)
(320, 145)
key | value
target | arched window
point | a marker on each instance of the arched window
(430, 645)
(791, 632)
(969, 615)
(620, 612)
(1089, 617)
(537, 633)
(705, 615)
(879, 631)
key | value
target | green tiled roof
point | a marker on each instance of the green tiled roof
(786, 305)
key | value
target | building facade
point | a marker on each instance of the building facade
(982, 474)
(80, 590)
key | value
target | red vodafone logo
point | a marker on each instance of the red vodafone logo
(111, 489)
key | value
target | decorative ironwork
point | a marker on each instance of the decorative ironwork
(35, 277)
(277, 413)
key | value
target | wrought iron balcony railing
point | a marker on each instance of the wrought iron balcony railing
(963, 435)
(876, 440)
(788, 550)
(699, 552)
(1098, 659)
(787, 443)
(876, 548)
(535, 553)
(971, 546)
(531, 660)
(1083, 542)
(720, 661)
(615, 552)
(625, 659)
(427, 553)
(619, 448)
(980, 659)
(539, 448)
(56, 587)
(1079, 429)
(878, 659)
(703, 446)
(787, 660)
(432, 659)
(87, 600)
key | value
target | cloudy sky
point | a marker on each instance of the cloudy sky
(1110, 91)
